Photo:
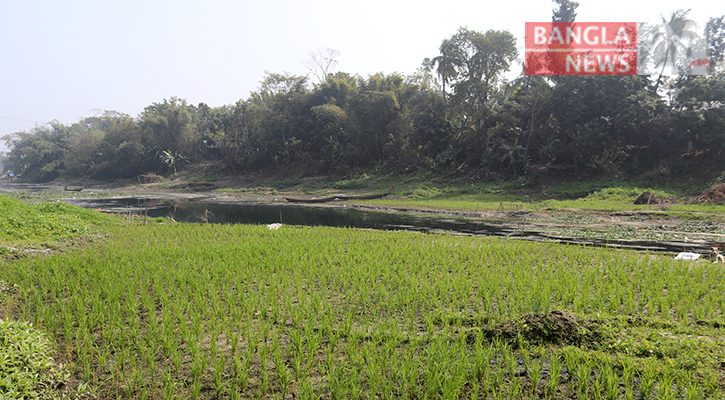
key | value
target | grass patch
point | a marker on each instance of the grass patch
(229, 311)
(448, 205)
(45, 196)
(350, 184)
(620, 189)
(26, 366)
(22, 222)
(287, 183)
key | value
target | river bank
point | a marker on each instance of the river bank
(645, 229)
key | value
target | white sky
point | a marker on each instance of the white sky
(67, 59)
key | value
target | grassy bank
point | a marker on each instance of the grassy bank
(457, 193)
(210, 311)
(504, 197)
(23, 223)
(27, 366)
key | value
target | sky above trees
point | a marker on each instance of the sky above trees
(68, 60)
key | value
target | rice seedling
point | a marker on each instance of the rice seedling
(648, 378)
(583, 372)
(208, 311)
(534, 368)
(554, 376)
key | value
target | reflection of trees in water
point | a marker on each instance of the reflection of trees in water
(265, 214)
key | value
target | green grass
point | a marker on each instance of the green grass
(622, 188)
(225, 311)
(21, 222)
(602, 201)
(209, 311)
(45, 196)
(420, 194)
(356, 183)
(449, 205)
(27, 369)
(26, 366)
(680, 211)
(597, 196)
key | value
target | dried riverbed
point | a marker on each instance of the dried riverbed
(632, 230)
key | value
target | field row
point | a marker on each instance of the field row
(229, 311)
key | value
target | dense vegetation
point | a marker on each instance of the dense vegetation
(27, 367)
(455, 114)
(211, 311)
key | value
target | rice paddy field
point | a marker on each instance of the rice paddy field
(205, 311)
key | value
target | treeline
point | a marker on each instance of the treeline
(455, 114)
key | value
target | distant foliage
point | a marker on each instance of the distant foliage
(456, 115)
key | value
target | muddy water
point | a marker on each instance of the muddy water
(200, 211)
(256, 213)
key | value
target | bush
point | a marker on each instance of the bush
(359, 183)
(26, 366)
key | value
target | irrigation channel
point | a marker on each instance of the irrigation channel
(200, 211)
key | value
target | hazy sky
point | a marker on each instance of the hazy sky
(65, 60)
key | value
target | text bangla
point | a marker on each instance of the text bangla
(581, 36)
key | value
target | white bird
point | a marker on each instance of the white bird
(687, 256)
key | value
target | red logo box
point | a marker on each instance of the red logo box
(581, 48)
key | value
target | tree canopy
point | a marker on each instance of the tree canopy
(457, 114)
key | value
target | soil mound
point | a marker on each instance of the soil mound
(647, 198)
(556, 327)
(715, 194)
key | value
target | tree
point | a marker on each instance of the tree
(280, 116)
(173, 158)
(602, 116)
(82, 148)
(38, 154)
(322, 62)
(330, 126)
(566, 12)
(473, 62)
(700, 114)
(671, 39)
(479, 59)
(715, 34)
(129, 159)
(447, 63)
(234, 136)
(169, 125)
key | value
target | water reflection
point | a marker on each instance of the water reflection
(198, 212)
(254, 213)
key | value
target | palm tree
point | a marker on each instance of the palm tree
(172, 159)
(447, 63)
(671, 38)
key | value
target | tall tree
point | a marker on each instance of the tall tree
(168, 126)
(236, 138)
(38, 154)
(715, 34)
(280, 116)
(83, 146)
(566, 11)
(446, 63)
(322, 63)
(672, 38)
(479, 60)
